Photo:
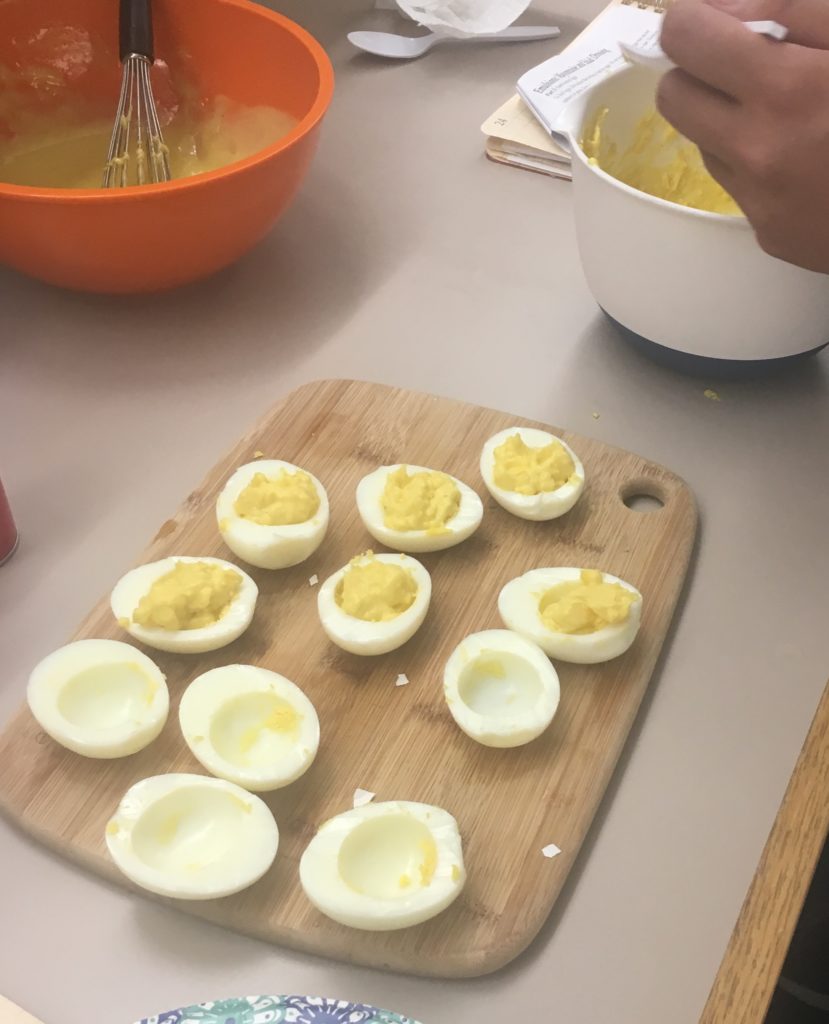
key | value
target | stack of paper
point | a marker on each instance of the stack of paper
(522, 131)
(514, 136)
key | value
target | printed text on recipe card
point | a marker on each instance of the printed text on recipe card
(573, 79)
(550, 86)
(586, 69)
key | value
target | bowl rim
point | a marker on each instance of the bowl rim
(735, 220)
(37, 193)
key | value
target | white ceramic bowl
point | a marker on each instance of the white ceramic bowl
(696, 284)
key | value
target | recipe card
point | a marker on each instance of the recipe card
(549, 87)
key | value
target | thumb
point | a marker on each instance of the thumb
(806, 20)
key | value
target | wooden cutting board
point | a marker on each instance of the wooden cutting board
(399, 742)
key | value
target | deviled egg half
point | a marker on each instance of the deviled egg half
(374, 604)
(410, 508)
(384, 866)
(185, 605)
(532, 473)
(191, 837)
(500, 688)
(272, 514)
(99, 698)
(578, 615)
(250, 726)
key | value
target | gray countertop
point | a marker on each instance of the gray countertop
(410, 259)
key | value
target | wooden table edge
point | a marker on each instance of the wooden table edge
(753, 959)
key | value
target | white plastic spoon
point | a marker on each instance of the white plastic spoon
(655, 57)
(389, 44)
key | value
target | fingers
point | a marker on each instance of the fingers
(806, 20)
(749, 201)
(717, 48)
(721, 172)
(750, 10)
(700, 113)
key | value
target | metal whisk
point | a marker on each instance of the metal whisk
(137, 154)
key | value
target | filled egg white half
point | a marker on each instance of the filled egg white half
(462, 524)
(250, 726)
(135, 584)
(500, 688)
(384, 866)
(270, 546)
(545, 504)
(191, 837)
(520, 607)
(99, 698)
(362, 636)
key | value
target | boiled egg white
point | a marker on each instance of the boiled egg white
(231, 616)
(384, 866)
(250, 726)
(414, 509)
(100, 698)
(596, 629)
(500, 688)
(191, 837)
(272, 514)
(374, 604)
(537, 477)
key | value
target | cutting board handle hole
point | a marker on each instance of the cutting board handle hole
(643, 496)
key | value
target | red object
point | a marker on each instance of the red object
(8, 531)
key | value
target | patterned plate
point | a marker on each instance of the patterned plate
(278, 1010)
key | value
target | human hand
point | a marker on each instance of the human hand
(759, 111)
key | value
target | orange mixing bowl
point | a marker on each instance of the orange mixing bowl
(158, 236)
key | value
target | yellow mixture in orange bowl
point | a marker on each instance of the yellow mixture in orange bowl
(69, 150)
(241, 120)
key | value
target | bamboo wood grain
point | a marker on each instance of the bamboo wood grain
(399, 742)
(754, 958)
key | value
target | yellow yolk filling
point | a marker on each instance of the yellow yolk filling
(491, 666)
(659, 161)
(585, 605)
(282, 718)
(530, 471)
(190, 596)
(429, 863)
(375, 591)
(282, 500)
(426, 500)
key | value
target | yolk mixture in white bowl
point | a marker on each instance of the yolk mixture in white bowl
(659, 161)
(667, 254)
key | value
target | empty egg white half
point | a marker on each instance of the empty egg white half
(100, 698)
(384, 866)
(137, 582)
(500, 688)
(546, 504)
(250, 726)
(359, 636)
(461, 525)
(262, 545)
(191, 837)
(519, 607)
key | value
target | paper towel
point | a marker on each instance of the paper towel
(462, 18)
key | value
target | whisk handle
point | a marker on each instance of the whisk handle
(136, 29)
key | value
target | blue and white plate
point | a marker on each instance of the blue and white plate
(278, 1010)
